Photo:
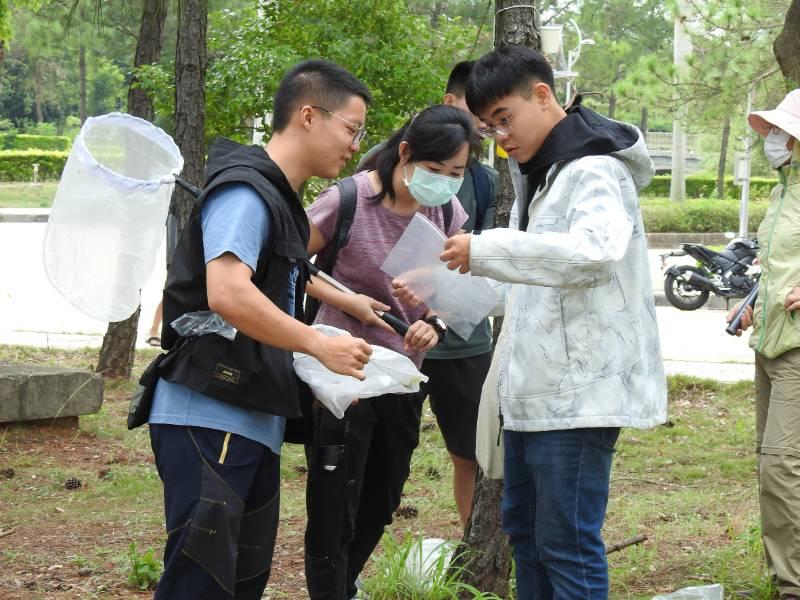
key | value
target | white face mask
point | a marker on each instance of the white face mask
(775, 147)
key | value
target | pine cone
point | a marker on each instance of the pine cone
(73, 483)
(7, 473)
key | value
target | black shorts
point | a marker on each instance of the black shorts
(454, 388)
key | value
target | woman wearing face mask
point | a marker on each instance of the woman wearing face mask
(418, 170)
(776, 341)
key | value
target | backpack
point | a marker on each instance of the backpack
(480, 181)
(326, 258)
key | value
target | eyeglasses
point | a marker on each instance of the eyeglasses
(361, 130)
(502, 128)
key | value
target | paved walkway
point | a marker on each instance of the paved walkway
(32, 312)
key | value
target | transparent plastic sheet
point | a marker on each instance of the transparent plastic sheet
(702, 592)
(387, 372)
(462, 301)
(107, 220)
(426, 558)
(202, 322)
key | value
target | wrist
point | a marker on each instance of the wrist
(439, 326)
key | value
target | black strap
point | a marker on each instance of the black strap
(480, 181)
(326, 258)
(447, 215)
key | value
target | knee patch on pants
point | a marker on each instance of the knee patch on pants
(213, 530)
(257, 540)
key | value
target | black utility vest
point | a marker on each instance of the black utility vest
(243, 372)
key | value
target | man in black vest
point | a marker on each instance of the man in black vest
(219, 410)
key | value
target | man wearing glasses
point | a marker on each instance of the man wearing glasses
(579, 355)
(220, 405)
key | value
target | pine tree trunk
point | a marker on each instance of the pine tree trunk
(190, 77)
(612, 105)
(723, 155)
(37, 93)
(643, 121)
(787, 46)
(119, 342)
(484, 552)
(82, 78)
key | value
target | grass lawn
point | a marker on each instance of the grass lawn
(689, 486)
(27, 195)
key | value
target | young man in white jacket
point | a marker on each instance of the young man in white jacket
(579, 355)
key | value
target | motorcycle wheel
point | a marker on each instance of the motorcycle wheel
(681, 294)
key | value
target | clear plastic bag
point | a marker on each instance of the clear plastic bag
(387, 372)
(202, 322)
(702, 592)
(107, 220)
(462, 301)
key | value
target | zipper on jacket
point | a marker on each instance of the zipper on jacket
(784, 183)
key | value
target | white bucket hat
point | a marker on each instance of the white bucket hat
(786, 116)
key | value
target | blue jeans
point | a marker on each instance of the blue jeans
(554, 504)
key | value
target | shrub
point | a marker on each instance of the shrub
(705, 186)
(21, 141)
(698, 216)
(17, 165)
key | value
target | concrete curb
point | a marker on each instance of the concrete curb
(24, 215)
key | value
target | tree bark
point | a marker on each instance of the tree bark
(37, 92)
(190, 97)
(612, 105)
(82, 78)
(643, 120)
(119, 342)
(723, 155)
(787, 46)
(484, 553)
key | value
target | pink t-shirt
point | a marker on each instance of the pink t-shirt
(374, 233)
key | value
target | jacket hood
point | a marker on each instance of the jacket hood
(226, 154)
(584, 132)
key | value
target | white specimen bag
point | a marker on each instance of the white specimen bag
(387, 372)
(462, 301)
(108, 216)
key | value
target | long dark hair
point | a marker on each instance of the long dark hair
(437, 133)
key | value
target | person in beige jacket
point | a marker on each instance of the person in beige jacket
(776, 341)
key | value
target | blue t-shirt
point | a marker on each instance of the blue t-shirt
(234, 219)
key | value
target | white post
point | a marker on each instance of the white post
(35, 173)
(746, 172)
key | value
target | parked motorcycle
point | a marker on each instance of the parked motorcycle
(729, 273)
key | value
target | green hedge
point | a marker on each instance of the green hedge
(23, 141)
(705, 186)
(698, 216)
(17, 165)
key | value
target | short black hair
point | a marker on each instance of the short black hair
(436, 133)
(505, 71)
(457, 82)
(318, 82)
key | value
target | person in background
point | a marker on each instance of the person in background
(776, 342)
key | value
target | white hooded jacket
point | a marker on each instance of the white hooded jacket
(579, 345)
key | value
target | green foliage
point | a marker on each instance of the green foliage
(145, 568)
(17, 165)
(698, 216)
(397, 53)
(393, 581)
(15, 141)
(705, 186)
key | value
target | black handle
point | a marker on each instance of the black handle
(736, 322)
(400, 326)
(192, 189)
